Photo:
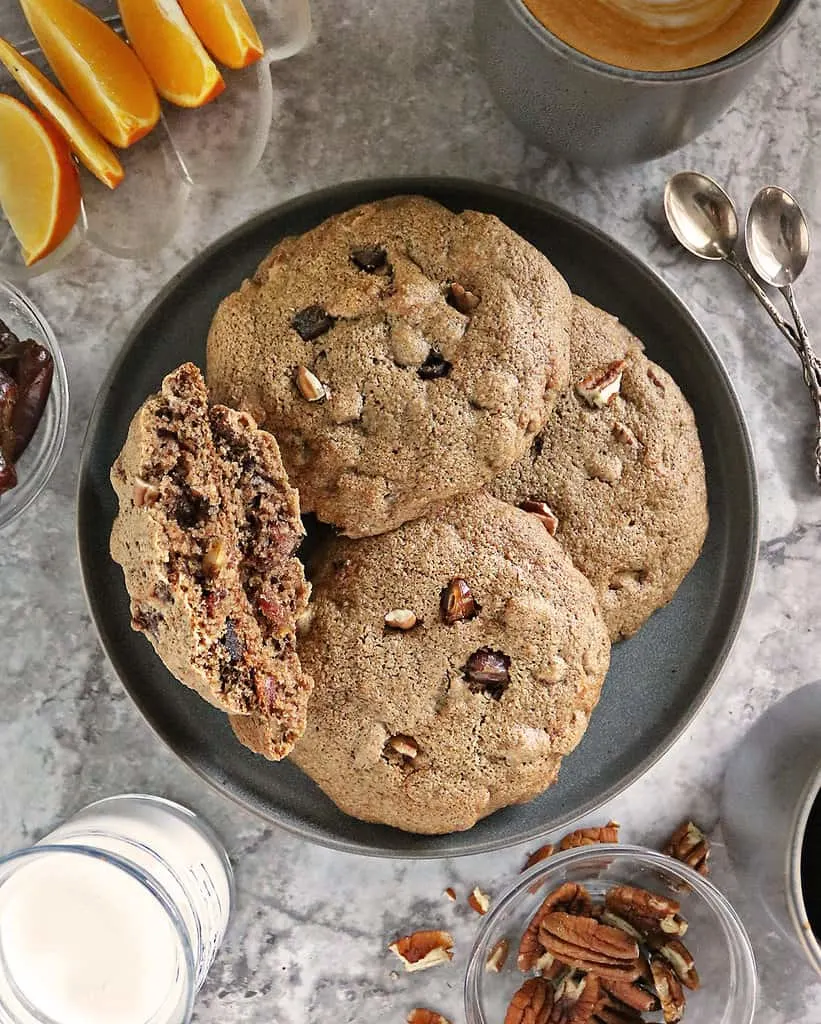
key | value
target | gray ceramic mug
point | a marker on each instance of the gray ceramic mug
(595, 113)
(771, 784)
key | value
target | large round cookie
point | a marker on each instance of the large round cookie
(432, 727)
(401, 354)
(205, 534)
(620, 465)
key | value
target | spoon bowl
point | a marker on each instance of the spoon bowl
(778, 238)
(701, 215)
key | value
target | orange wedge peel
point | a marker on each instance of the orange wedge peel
(39, 184)
(99, 71)
(85, 141)
(226, 30)
(171, 51)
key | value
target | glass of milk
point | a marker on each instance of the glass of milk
(113, 918)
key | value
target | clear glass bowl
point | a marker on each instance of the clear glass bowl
(209, 149)
(39, 459)
(716, 937)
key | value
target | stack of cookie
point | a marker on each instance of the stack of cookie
(512, 485)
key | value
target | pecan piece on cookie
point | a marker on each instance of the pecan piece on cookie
(543, 512)
(600, 387)
(488, 671)
(457, 602)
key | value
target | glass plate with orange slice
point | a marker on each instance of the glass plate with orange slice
(139, 149)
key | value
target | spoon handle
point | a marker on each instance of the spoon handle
(812, 371)
(786, 328)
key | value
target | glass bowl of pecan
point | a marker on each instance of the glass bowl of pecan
(611, 934)
(33, 403)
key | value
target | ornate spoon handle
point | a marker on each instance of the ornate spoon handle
(783, 325)
(812, 371)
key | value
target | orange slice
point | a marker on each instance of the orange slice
(169, 48)
(39, 184)
(86, 142)
(100, 73)
(226, 29)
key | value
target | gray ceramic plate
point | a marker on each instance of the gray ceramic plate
(657, 681)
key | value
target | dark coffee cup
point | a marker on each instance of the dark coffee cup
(596, 113)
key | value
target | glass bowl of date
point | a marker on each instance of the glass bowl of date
(611, 934)
(33, 403)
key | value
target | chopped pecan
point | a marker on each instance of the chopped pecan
(497, 957)
(531, 1004)
(681, 960)
(654, 377)
(450, 892)
(310, 386)
(404, 745)
(600, 387)
(624, 435)
(479, 901)
(144, 494)
(668, 987)
(591, 836)
(575, 999)
(215, 557)
(401, 618)
(538, 855)
(632, 995)
(463, 300)
(544, 513)
(457, 602)
(571, 897)
(689, 845)
(422, 1016)
(423, 949)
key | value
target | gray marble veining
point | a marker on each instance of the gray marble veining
(392, 88)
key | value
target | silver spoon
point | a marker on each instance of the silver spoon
(703, 218)
(778, 244)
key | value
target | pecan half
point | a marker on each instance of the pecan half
(544, 513)
(668, 987)
(457, 602)
(479, 901)
(681, 960)
(497, 957)
(689, 845)
(647, 911)
(570, 937)
(538, 855)
(575, 999)
(571, 897)
(632, 995)
(531, 1004)
(611, 1011)
(600, 387)
(422, 1016)
(609, 833)
(423, 949)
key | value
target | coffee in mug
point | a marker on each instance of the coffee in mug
(654, 35)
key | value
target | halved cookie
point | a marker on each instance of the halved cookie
(205, 535)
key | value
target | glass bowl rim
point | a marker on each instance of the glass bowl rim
(625, 853)
(47, 459)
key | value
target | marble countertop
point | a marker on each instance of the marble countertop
(392, 88)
